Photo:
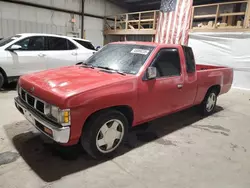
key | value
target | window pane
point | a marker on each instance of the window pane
(189, 57)
(167, 63)
(32, 43)
(56, 43)
(86, 44)
(127, 58)
(71, 46)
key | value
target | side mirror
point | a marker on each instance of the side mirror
(98, 48)
(15, 47)
(151, 73)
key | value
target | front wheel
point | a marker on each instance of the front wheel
(208, 105)
(104, 133)
(2, 80)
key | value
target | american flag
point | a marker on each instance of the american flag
(174, 21)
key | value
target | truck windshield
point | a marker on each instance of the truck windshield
(126, 58)
(8, 40)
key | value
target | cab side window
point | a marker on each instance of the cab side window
(35, 43)
(189, 59)
(167, 63)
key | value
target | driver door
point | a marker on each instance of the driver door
(162, 95)
(30, 57)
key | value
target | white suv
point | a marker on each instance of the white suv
(28, 53)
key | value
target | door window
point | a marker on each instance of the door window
(57, 43)
(167, 63)
(71, 46)
(85, 44)
(32, 43)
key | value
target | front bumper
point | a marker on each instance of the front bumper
(58, 134)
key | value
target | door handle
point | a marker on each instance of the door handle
(179, 86)
(41, 55)
(74, 53)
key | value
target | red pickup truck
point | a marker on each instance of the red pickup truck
(123, 85)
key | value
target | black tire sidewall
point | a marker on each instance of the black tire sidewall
(2, 81)
(204, 104)
(88, 138)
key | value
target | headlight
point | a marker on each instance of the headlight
(54, 112)
(60, 116)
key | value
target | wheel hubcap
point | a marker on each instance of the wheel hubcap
(110, 136)
(211, 102)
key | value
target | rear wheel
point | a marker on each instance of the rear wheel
(104, 133)
(2, 80)
(208, 105)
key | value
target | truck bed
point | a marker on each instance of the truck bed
(200, 67)
(208, 75)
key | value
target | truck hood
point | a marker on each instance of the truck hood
(69, 81)
(55, 86)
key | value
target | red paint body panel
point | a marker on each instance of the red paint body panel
(86, 90)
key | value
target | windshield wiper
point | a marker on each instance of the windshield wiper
(87, 65)
(114, 70)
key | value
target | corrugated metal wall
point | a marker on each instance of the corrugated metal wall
(93, 26)
(16, 18)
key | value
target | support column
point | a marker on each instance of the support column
(82, 24)
(247, 16)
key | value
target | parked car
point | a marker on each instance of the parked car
(27, 53)
(123, 85)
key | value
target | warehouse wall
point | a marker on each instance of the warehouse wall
(16, 18)
(94, 26)
(224, 49)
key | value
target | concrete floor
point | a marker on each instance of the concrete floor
(182, 150)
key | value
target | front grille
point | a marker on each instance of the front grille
(23, 95)
(32, 101)
(40, 106)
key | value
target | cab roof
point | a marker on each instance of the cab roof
(146, 43)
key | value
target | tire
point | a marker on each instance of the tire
(104, 133)
(208, 105)
(2, 80)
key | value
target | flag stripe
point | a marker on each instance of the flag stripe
(173, 22)
(158, 27)
(181, 20)
(188, 22)
(168, 28)
(175, 25)
(163, 35)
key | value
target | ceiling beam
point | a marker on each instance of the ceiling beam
(119, 3)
